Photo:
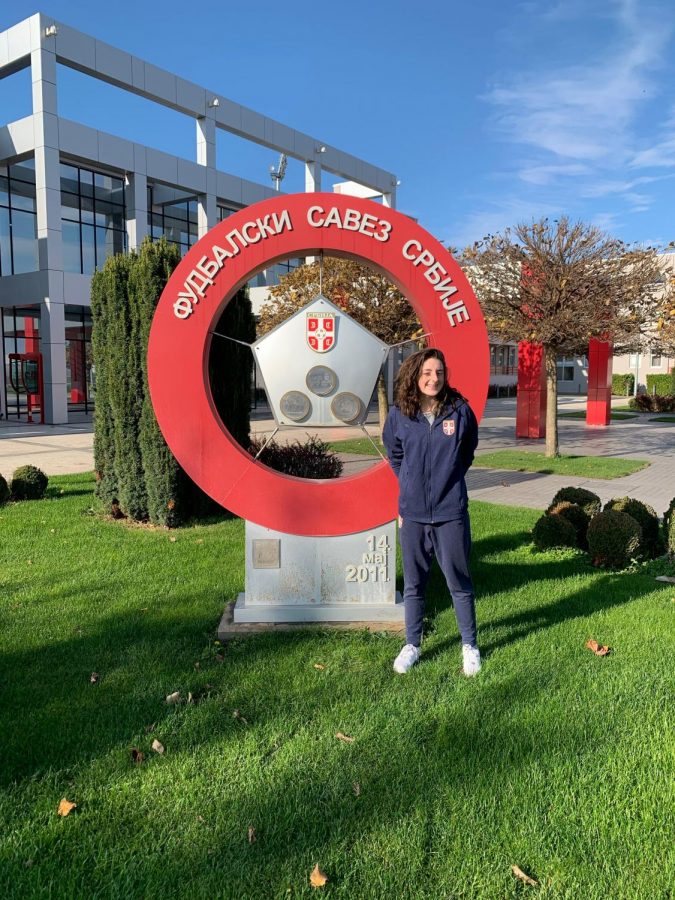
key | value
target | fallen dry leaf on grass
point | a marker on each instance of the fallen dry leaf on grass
(251, 834)
(319, 667)
(173, 698)
(65, 807)
(344, 737)
(94, 678)
(518, 872)
(172, 539)
(198, 666)
(157, 746)
(356, 787)
(317, 878)
(137, 755)
(598, 649)
(237, 715)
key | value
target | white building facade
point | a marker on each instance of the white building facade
(71, 195)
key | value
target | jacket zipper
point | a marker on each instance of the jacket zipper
(431, 511)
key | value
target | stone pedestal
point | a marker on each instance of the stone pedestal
(291, 578)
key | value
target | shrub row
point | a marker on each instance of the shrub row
(625, 530)
(653, 402)
(27, 483)
(623, 385)
(137, 475)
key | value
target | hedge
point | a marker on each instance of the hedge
(614, 539)
(661, 384)
(623, 385)
(648, 520)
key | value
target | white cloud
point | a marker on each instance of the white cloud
(583, 123)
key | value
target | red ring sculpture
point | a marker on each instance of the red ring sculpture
(208, 277)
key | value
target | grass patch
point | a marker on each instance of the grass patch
(663, 419)
(579, 414)
(360, 446)
(552, 758)
(580, 466)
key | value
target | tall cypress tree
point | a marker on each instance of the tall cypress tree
(107, 286)
(126, 398)
(165, 481)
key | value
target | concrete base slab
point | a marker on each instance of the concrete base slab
(239, 620)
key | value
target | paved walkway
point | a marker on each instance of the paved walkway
(63, 449)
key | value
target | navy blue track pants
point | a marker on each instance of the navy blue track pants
(450, 543)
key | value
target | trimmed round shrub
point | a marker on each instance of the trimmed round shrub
(4, 491)
(646, 518)
(614, 539)
(576, 516)
(28, 483)
(553, 531)
(587, 500)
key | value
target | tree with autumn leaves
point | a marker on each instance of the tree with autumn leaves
(559, 284)
(360, 291)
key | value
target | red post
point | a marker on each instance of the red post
(76, 357)
(32, 342)
(531, 399)
(599, 402)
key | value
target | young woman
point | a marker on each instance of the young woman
(430, 436)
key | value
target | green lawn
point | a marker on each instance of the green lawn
(663, 419)
(526, 461)
(551, 759)
(581, 414)
(579, 466)
(361, 446)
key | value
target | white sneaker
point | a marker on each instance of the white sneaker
(406, 659)
(471, 659)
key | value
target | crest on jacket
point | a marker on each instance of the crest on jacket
(321, 331)
(448, 426)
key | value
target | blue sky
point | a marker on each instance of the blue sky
(489, 113)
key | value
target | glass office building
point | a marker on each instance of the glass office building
(71, 195)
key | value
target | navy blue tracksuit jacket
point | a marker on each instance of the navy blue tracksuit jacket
(430, 461)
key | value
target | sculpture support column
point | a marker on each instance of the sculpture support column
(531, 397)
(599, 402)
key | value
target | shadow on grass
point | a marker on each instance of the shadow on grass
(404, 765)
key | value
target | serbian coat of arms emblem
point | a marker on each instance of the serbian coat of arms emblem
(448, 426)
(321, 331)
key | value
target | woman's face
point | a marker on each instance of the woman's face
(432, 378)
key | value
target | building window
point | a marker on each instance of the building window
(565, 369)
(93, 218)
(655, 361)
(20, 328)
(18, 218)
(633, 360)
(503, 360)
(176, 220)
(225, 211)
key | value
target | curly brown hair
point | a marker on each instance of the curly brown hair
(407, 395)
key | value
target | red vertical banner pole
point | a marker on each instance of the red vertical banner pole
(531, 397)
(599, 402)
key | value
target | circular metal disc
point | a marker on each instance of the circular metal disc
(346, 407)
(295, 405)
(321, 380)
